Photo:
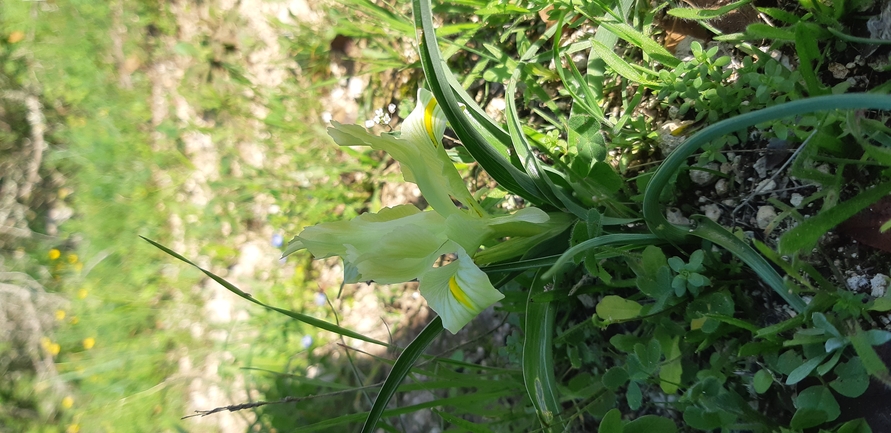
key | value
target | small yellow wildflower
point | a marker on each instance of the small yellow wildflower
(79, 266)
(74, 320)
(67, 402)
(73, 428)
(55, 349)
(82, 293)
(54, 254)
(45, 342)
(16, 37)
(89, 342)
(60, 315)
(72, 258)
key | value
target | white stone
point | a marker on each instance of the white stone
(721, 187)
(674, 216)
(878, 284)
(712, 211)
(796, 199)
(765, 216)
(760, 167)
(765, 186)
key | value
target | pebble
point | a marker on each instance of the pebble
(765, 186)
(857, 282)
(674, 216)
(765, 216)
(701, 177)
(796, 199)
(760, 167)
(712, 211)
(878, 284)
(721, 187)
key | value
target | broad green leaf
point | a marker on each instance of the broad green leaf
(671, 371)
(881, 305)
(615, 308)
(878, 337)
(614, 378)
(762, 381)
(808, 417)
(852, 379)
(633, 396)
(701, 419)
(858, 425)
(611, 422)
(819, 397)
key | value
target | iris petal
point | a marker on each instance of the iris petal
(458, 292)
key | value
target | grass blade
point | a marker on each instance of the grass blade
(806, 233)
(538, 357)
(400, 369)
(309, 320)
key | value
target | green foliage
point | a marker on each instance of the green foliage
(613, 311)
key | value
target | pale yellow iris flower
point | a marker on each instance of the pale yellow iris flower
(402, 243)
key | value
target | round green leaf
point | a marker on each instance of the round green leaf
(611, 422)
(852, 379)
(763, 380)
(614, 378)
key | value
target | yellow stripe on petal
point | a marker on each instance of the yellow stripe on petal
(428, 121)
(459, 295)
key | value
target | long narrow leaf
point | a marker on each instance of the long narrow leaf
(538, 357)
(602, 241)
(309, 320)
(490, 159)
(400, 370)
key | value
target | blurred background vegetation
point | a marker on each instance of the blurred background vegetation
(198, 125)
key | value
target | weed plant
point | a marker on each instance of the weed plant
(621, 320)
(675, 341)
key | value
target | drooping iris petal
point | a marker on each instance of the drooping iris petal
(421, 155)
(392, 246)
(458, 292)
